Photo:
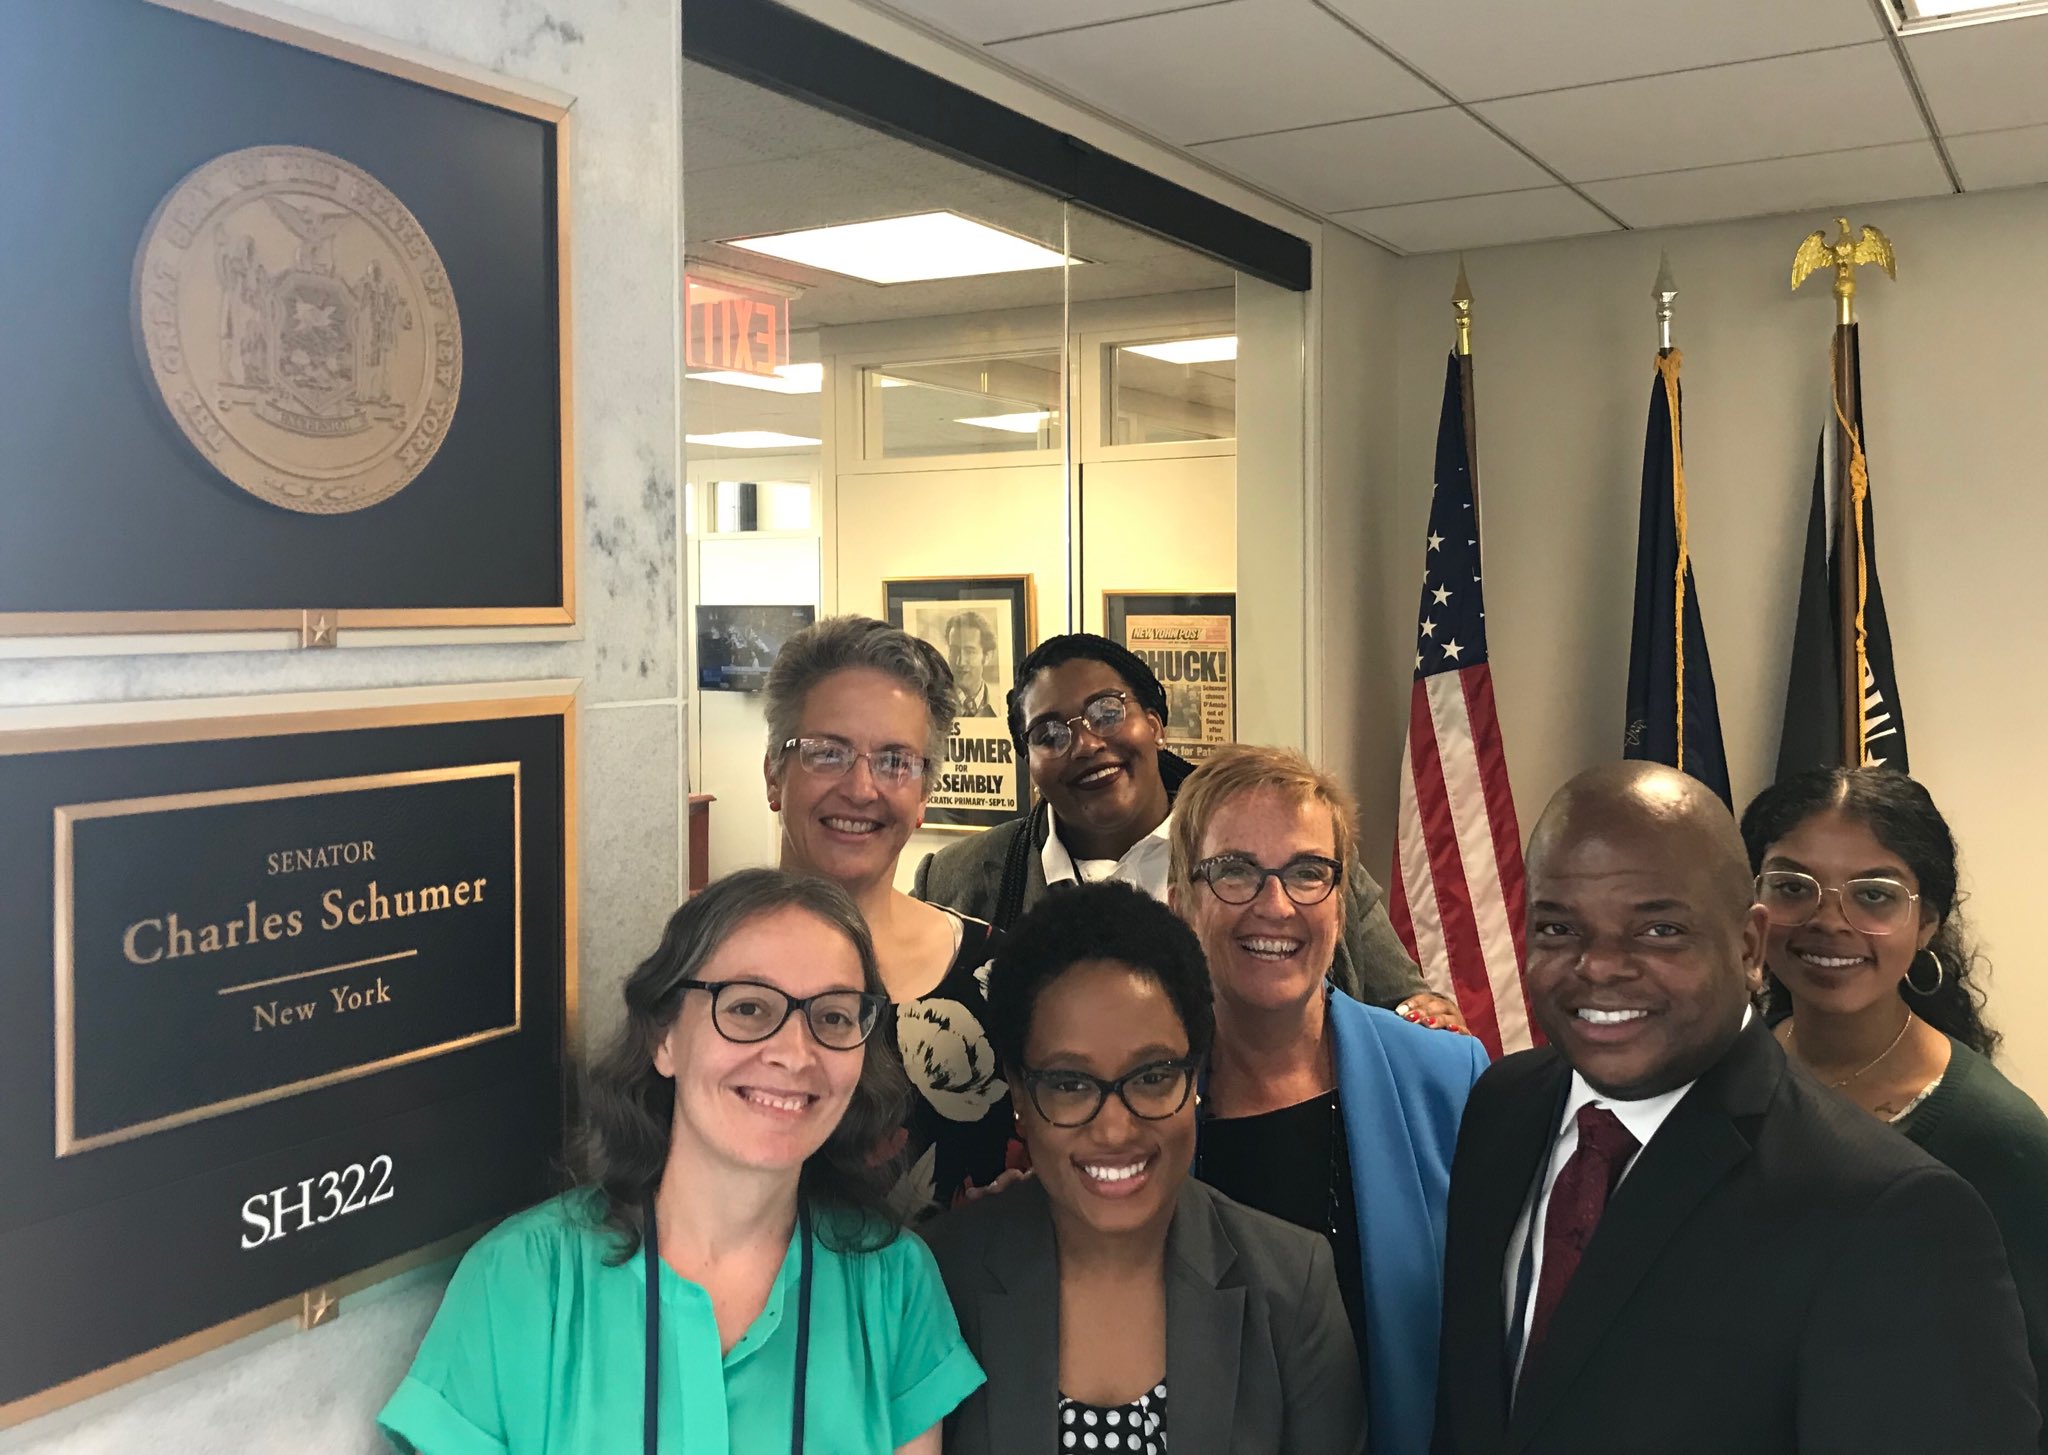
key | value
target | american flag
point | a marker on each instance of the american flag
(1458, 897)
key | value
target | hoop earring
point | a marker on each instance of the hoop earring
(1940, 974)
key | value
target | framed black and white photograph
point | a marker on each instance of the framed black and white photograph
(982, 625)
(736, 645)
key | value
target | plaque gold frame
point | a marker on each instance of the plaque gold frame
(49, 730)
(474, 85)
(68, 1140)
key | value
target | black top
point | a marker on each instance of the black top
(1293, 1164)
(1991, 1133)
(959, 1126)
(1137, 1428)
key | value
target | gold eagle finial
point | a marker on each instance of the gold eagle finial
(1845, 254)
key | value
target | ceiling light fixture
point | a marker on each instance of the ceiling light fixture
(752, 439)
(1189, 350)
(1912, 15)
(1029, 422)
(787, 379)
(914, 249)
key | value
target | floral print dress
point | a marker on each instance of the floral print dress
(959, 1128)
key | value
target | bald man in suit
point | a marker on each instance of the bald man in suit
(1662, 1236)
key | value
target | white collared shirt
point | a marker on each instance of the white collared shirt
(1143, 865)
(1642, 1118)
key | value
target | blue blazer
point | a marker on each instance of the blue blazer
(1402, 1089)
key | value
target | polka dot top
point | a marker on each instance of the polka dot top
(1139, 1426)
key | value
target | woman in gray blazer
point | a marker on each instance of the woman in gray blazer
(1117, 1305)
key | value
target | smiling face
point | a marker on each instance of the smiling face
(964, 652)
(850, 829)
(1119, 1173)
(1641, 958)
(768, 1105)
(1272, 953)
(1106, 792)
(1827, 963)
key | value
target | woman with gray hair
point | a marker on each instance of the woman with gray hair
(858, 717)
(728, 1271)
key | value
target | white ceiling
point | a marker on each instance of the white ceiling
(1430, 125)
(756, 161)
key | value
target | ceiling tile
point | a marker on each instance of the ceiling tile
(1821, 101)
(1531, 47)
(1408, 158)
(2015, 158)
(1224, 70)
(1984, 77)
(1831, 180)
(982, 21)
(1478, 222)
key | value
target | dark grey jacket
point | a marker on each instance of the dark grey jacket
(1372, 965)
(1259, 1356)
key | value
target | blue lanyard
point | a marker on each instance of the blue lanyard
(650, 1414)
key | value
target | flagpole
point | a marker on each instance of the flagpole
(1848, 579)
(1664, 290)
(1845, 255)
(1461, 313)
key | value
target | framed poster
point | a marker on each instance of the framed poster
(293, 333)
(1189, 640)
(736, 645)
(283, 1002)
(983, 625)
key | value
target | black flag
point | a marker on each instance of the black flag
(1828, 653)
(1673, 716)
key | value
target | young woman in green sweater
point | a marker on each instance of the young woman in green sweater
(1870, 984)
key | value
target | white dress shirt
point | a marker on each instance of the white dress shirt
(1643, 1119)
(1143, 865)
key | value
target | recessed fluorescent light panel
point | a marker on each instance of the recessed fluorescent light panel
(914, 249)
(752, 439)
(787, 379)
(1189, 350)
(1029, 422)
(1912, 15)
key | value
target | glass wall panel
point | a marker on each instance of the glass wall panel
(1032, 439)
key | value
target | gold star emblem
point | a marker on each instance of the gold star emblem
(317, 1308)
(316, 629)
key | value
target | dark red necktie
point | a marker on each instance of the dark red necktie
(1576, 1201)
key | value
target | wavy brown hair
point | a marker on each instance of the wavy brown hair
(622, 1145)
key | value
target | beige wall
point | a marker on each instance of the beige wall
(1564, 340)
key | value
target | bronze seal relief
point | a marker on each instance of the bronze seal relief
(299, 326)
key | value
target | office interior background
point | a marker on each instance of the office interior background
(1012, 424)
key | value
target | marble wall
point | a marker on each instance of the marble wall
(621, 60)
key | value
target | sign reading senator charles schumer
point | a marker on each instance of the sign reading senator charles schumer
(243, 945)
(283, 994)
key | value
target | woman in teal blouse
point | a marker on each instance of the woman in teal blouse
(728, 1146)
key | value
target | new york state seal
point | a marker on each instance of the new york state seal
(299, 327)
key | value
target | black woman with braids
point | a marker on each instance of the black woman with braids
(1873, 985)
(1089, 718)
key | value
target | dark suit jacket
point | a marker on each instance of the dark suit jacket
(1778, 1272)
(1371, 965)
(1259, 1356)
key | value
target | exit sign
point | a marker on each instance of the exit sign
(734, 328)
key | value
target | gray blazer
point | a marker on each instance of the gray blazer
(1371, 965)
(1259, 1354)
